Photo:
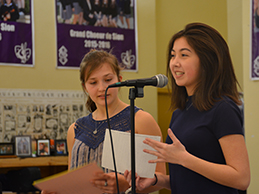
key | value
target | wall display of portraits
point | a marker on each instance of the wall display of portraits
(42, 114)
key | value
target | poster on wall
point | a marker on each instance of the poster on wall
(108, 25)
(39, 113)
(16, 33)
(254, 70)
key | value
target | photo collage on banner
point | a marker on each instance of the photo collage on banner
(254, 70)
(108, 25)
(16, 33)
(41, 114)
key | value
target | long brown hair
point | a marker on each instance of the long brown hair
(91, 61)
(217, 77)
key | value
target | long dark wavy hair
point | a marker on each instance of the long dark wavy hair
(92, 61)
(216, 76)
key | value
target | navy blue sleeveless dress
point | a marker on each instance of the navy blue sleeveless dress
(88, 144)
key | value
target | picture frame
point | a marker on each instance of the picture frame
(23, 145)
(43, 147)
(61, 147)
(7, 149)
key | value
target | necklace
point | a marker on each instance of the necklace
(187, 108)
(96, 128)
(101, 123)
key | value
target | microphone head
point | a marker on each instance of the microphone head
(162, 80)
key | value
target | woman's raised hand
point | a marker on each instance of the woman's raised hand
(171, 153)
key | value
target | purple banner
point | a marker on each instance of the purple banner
(16, 34)
(75, 40)
(255, 40)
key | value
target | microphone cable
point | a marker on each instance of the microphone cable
(109, 127)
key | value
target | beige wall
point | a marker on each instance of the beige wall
(172, 16)
(234, 37)
(251, 96)
(146, 55)
(239, 42)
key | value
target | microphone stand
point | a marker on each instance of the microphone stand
(137, 91)
(109, 127)
(133, 93)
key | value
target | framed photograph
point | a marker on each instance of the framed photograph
(43, 147)
(60, 147)
(6, 149)
(23, 146)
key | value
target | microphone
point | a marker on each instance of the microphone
(159, 80)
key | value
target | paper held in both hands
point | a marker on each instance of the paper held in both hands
(122, 151)
(78, 181)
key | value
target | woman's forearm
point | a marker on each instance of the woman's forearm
(220, 173)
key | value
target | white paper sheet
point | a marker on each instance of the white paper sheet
(122, 149)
